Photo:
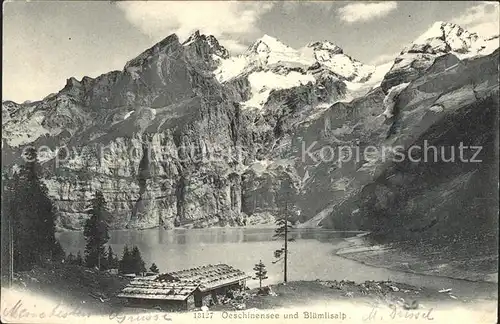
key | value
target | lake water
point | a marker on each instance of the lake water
(311, 256)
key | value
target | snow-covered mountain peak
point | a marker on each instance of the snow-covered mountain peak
(270, 54)
(440, 39)
(332, 56)
(270, 44)
(268, 50)
(445, 37)
(327, 46)
(445, 30)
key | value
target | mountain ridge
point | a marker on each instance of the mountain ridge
(437, 30)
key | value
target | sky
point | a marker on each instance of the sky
(47, 42)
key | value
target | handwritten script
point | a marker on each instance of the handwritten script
(395, 312)
(20, 311)
(120, 318)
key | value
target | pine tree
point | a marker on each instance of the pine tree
(44, 218)
(58, 253)
(8, 222)
(116, 262)
(31, 216)
(138, 265)
(154, 268)
(96, 232)
(111, 262)
(79, 259)
(260, 273)
(70, 259)
(125, 264)
(283, 224)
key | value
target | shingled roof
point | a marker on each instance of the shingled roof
(208, 277)
(178, 285)
(149, 288)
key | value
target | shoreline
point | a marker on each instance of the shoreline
(383, 256)
(359, 250)
(256, 226)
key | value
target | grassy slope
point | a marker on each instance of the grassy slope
(75, 285)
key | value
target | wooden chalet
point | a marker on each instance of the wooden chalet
(184, 289)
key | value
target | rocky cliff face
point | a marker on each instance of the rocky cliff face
(186, 135)
(439, 192)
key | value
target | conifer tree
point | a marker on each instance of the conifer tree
(116, 261)
(283, 224)
(31, 216)
(71, 259)
(138, 265)
(79, 259)
(9, 222)
(125, 264)
(96, 232)
(260, 273)
(154, 268)
(58, 253)
(111, 262)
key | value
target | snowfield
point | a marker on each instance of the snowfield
(263, 82)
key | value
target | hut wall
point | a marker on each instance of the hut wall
(206, 297)
(190, 303)
(202, 298)
(165, 305)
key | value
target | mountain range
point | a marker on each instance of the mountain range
(187, 135)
